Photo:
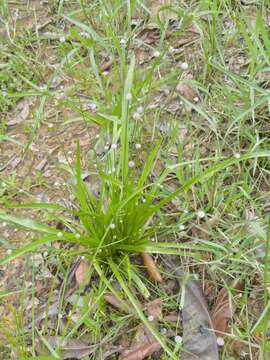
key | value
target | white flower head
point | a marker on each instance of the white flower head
(112, 226)
(237, 156)
(140, 109)
(181, 227)
(129, 97)
(184, 66)
(220, 341)
(123, 41)
(138, 146)
(62, 39)
(136, 116)
(9, 252)
(131, 164)
(97, 136)
(178, 339)
(59, 234)
(150, 318)
(77, 236)
(106, 147)
(156, 53)
(196, 99)
(201, 214)
(114, 146)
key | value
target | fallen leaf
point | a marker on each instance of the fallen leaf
(72, 348)
(154, 309)
(222, 311)
(140, 351)
(151, 267)
(187, 91)
(117, 303)
(19, 113)
(82, 273)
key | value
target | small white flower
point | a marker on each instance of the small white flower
(196, 99)
(56, 183)
(153, 239)
(84, 34)
(220, 341)
(59, 234)
(129, 96)
(77, 236)
(131, 164)
(201, 214)
(109, 172)
(140, 109)
(97, 136)
(184, 66)
(143, 200)
(150, 318)
(62, 39)
(9, 252)
(114, 146)
(138, 146)
(171, 49)
(113, 170)
(237, 156)
(114, 237)
(106, 147)
(163, 331)
(83, 257)
(112, 226)
(50, 125)
(178, 339)
(156, 53)
(123, 42)
(161, 186)
(136, 116)
(43, 87)
(181, 227)
(4, 224)
(45, 254)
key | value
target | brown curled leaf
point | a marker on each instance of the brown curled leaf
(140, 352)
(151, 268)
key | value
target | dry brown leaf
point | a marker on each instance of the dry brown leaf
(140, 351)
(117, 303)
(82, 273)
(19, 113)
(151, 268)
(187, 91)
(154, 309)
(222, 312)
